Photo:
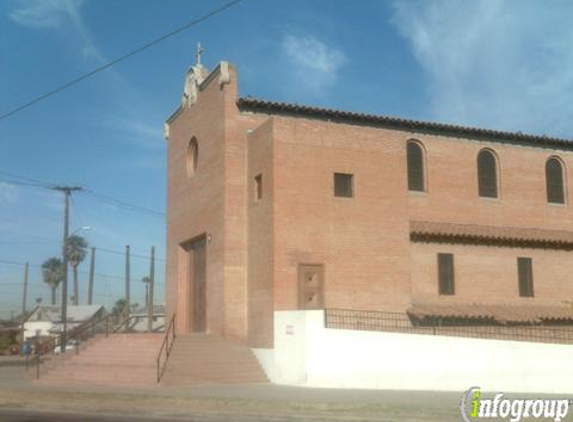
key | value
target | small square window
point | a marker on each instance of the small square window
(258, 187)
(343, 185)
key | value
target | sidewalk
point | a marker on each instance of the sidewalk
(242, 402)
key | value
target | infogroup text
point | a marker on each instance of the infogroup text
(475, 407)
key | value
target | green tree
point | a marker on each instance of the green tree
(53, 274)
(77, 250)
(119, 307)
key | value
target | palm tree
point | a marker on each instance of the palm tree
(146, 280)
(77, 250)
(118, 307)
(53, 273)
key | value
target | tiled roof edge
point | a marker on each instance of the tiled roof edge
(257, 105)
(442, 236)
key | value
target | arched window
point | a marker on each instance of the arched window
(487, 174)
(415, 155)
(554, 181)
(192, 157)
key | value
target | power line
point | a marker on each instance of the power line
(102, 275)
(5, 261)
(117, 277)
(20, 284)
(112, 201)
(31, 181)
(26, 236)
(119, 59)
(88, 192)
(113, 251)
(18, 183)
(130, 254)
(75, 210)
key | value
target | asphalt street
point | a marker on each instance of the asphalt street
(23, 415)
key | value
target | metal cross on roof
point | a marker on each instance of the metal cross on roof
(198, 53)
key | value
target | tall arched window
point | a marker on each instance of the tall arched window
(554, 181)
(487, 174)
(192, 157)
(415, 155)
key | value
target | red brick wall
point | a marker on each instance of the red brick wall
(260, 237)
(363, 242)
(211, 202)
(195, 205)
(489, 274)
(453, 193)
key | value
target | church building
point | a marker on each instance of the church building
(276, 208)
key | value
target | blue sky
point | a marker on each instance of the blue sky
(498, 64)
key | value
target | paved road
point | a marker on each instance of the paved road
(217, 403)
(31, 416)
(8, 415)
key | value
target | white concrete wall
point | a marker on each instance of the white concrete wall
(307, 354)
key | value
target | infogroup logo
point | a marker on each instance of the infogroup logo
(475, 407)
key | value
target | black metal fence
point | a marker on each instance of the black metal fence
(397, 322)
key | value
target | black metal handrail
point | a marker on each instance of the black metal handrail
(90, 327)
(401, 322)
(48, 346)
(167, 347)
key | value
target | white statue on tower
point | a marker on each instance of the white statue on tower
(195, 75)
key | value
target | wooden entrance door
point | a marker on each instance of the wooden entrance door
(310, 286)
(198, 284)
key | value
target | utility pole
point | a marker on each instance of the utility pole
(150, 303)
(146, 294)
(25, 295)
(67, 191)
(127, 309)
(91, 281)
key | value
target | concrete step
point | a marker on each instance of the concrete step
(127, 343)
(213, 365)
(205, 359)
(227, 379)
(129, 359)
(253, 367)
(116, 365)
(126, 359)
(152, 352)
(110, 376)
(106, 379)
(99, 374)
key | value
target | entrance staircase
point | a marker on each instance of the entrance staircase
(130, 360)
(117, 360)
(207, 359)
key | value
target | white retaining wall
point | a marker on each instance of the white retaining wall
(307, 354)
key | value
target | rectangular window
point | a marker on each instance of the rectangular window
(258, 187)
(446, 273)
(343, 185)
(525, 276)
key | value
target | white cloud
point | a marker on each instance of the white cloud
(146, 134)
(494, 63)
(8, 193)
(56, 14)
(45, 13)
(313, 64)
